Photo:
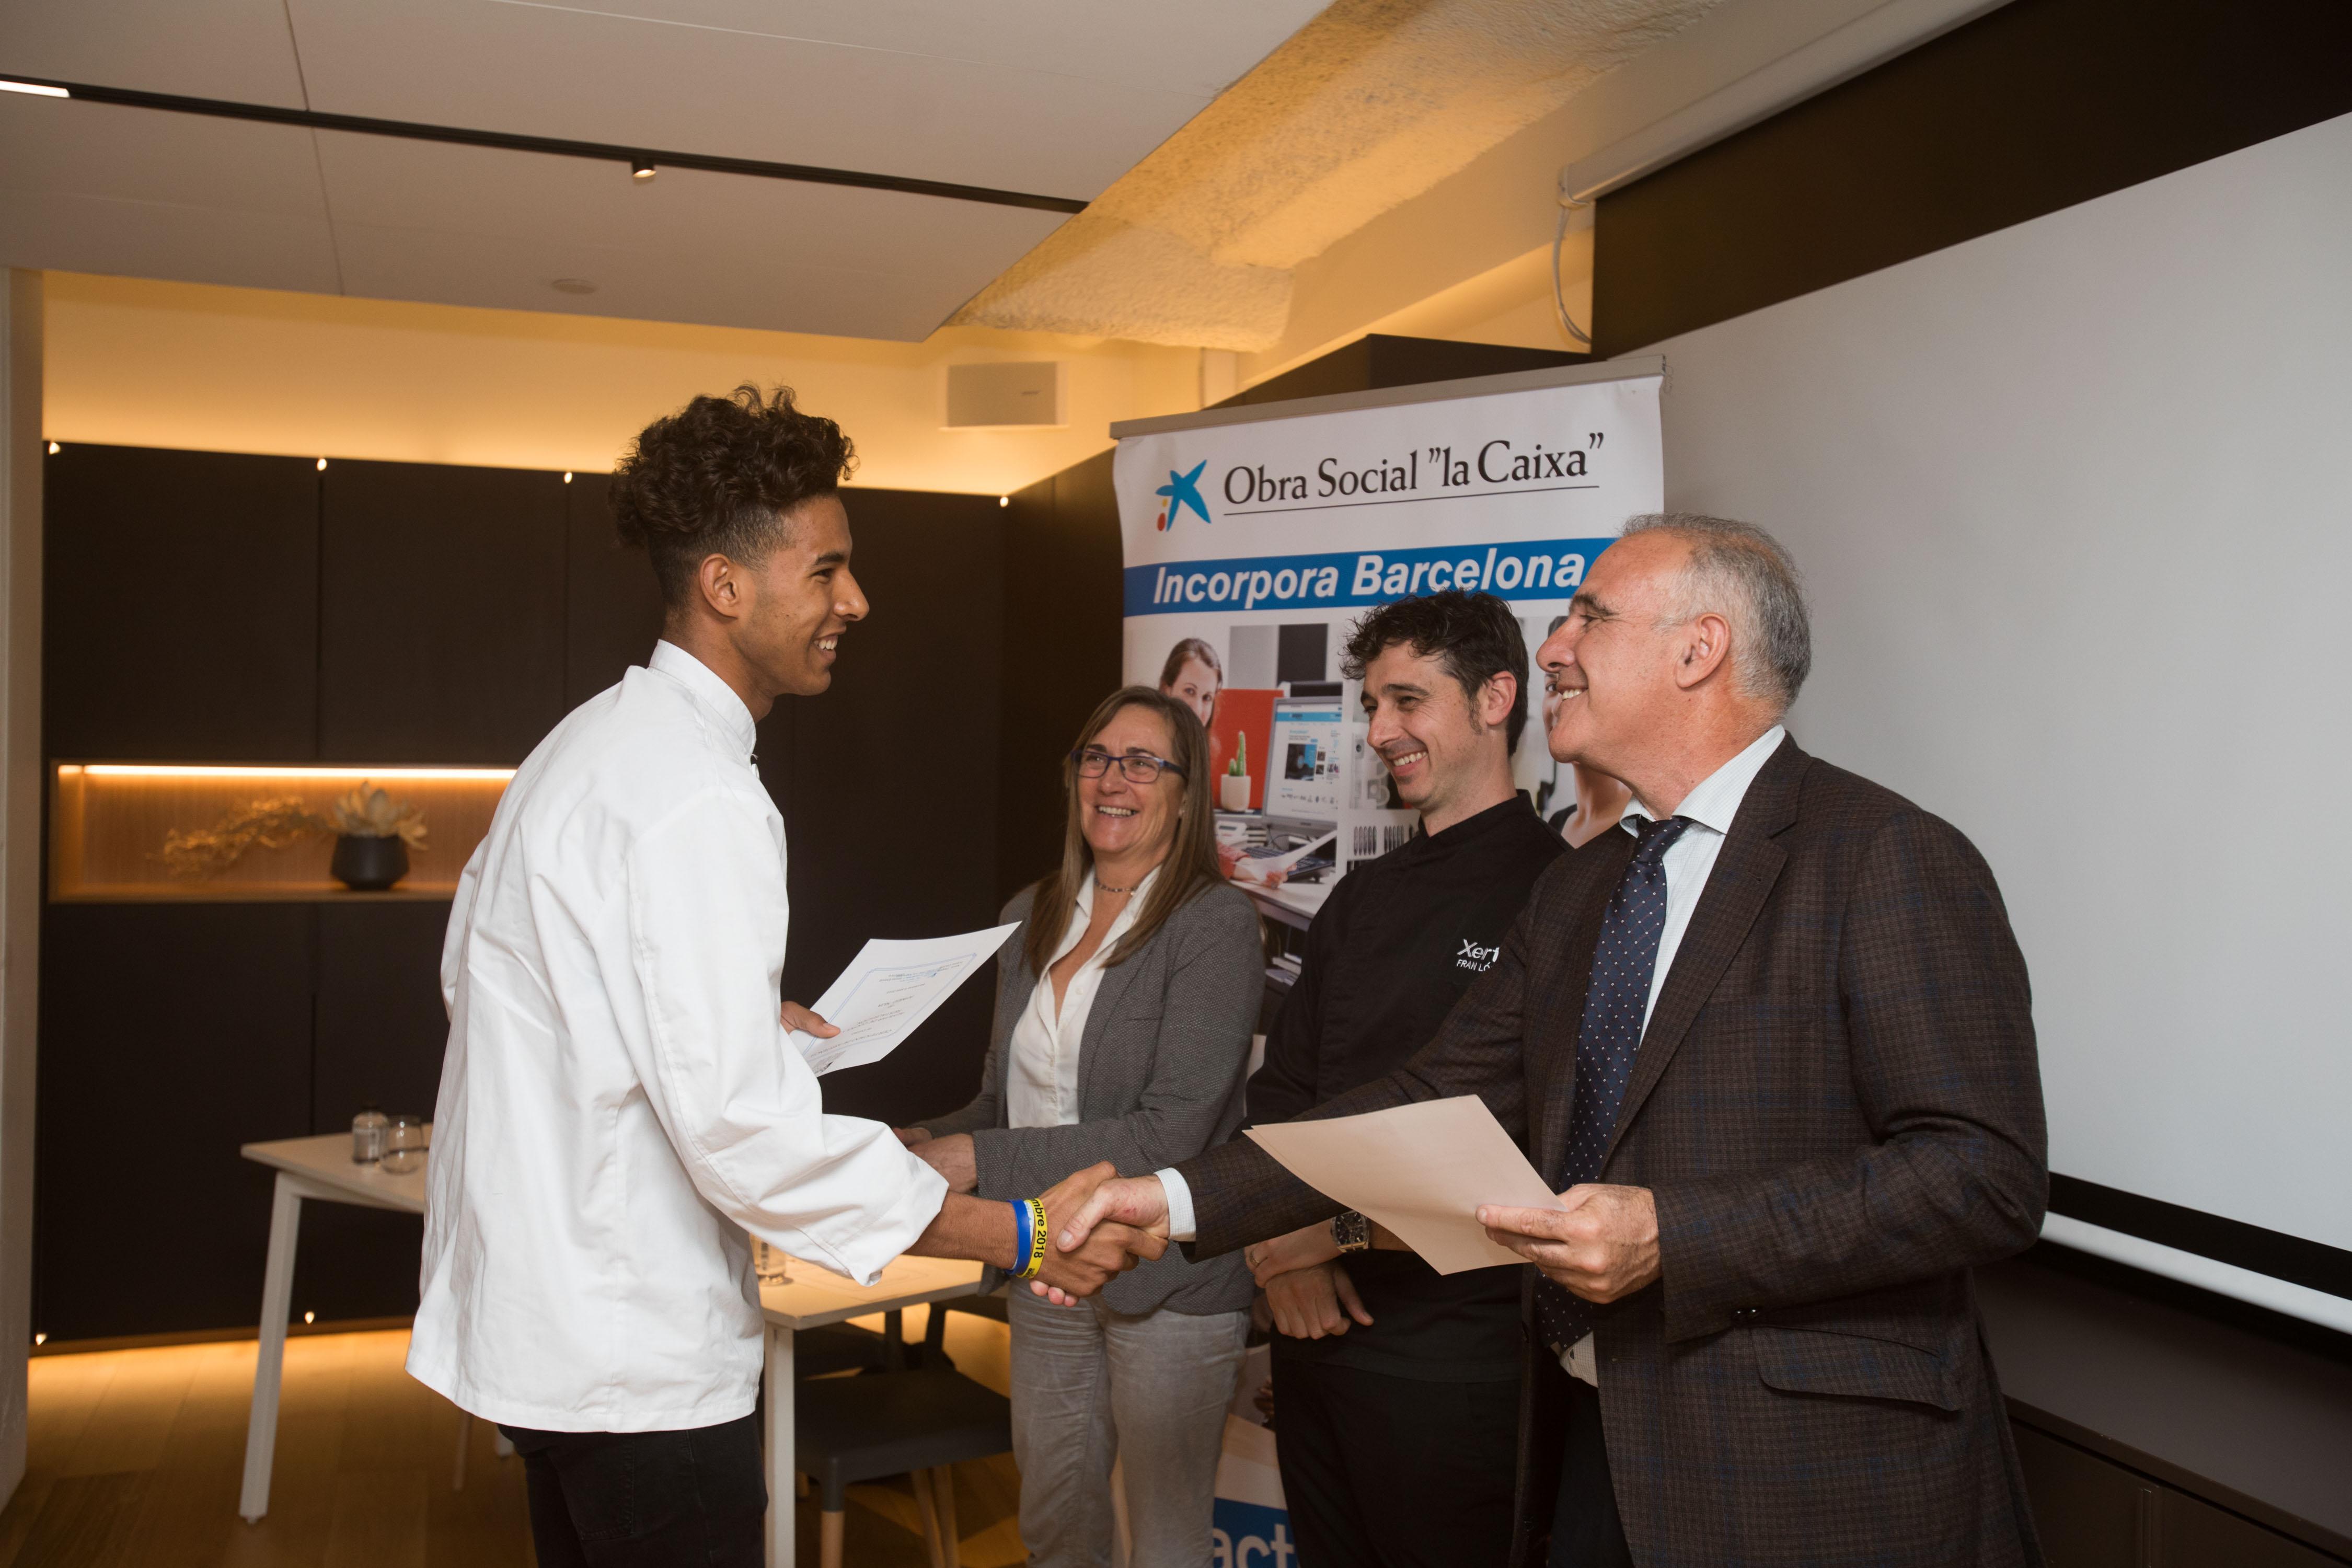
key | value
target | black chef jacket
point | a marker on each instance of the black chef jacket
(1397, 944)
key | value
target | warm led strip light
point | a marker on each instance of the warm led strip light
(191, 771)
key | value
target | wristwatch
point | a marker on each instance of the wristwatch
(1351, 1232)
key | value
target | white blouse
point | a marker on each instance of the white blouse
(1041, 1072)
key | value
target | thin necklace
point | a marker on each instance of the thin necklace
(1106, 888)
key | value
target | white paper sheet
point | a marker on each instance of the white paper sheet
(889, 989)
(1421, 1170)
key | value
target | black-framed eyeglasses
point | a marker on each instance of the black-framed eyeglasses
(1139, 767)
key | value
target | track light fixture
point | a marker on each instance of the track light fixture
(640, 171)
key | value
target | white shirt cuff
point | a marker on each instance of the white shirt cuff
(1180, 1203)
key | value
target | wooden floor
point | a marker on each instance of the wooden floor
(136, 1457)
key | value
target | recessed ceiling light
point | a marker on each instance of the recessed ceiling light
(54, 449)
(1004, 501)
(573, 286)
(35, 89)
(567, 476)
(640, 171)
(322, 465)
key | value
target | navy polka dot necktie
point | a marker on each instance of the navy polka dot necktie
(1614, 1004)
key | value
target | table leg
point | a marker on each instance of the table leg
(778, 1393)
(270, 1365)
(943, 1499)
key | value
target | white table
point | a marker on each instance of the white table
(307, 1168)
(321, 1168)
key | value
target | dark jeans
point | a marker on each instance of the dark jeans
(1586, 1531)
(1394, 1472)
(637, 1500)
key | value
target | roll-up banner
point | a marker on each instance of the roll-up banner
(1255, 538)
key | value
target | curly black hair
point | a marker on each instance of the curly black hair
(717, 477)
(1475, 636)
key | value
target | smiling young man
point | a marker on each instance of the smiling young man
(619, 1103)
(1396, 1389)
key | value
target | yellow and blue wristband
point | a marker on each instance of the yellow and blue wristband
(1029, 1238)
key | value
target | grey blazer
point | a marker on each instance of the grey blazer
(1160, 1070)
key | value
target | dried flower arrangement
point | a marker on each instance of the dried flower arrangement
(371, 813)
(271, 824)
(283, 820)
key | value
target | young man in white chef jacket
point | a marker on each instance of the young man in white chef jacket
(619, 1103)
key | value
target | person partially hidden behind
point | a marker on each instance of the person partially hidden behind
(619, 1102)
(1396, 1389)
(1124, 1009)
(1772, 1043)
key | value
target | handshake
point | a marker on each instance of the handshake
(1098, 1223)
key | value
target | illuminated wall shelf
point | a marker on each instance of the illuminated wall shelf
(108, 820)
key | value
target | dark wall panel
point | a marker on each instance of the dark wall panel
(443, 610)
(2088, 1511)
(182, 606)
(382, 1025)
(888, 782)
(379, 1035)
(2035, 107)
(354, 1264)
(612, 608)
(168, 1036)
(1063, 641)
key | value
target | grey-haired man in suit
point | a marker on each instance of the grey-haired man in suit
(1773, 1042)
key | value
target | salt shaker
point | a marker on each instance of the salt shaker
(367, 1136)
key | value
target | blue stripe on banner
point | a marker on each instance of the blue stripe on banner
(1514, 569)
(1244, 1532)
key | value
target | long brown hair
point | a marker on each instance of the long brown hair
(1192, 863)
(1193, 650)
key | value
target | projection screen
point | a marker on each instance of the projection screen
(2074, 504)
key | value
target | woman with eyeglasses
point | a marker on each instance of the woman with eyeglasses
(1124, 1009)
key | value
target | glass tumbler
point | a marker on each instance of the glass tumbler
(405, 1139)
(768, 1263)
(367, 1136)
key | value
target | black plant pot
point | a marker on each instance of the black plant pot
(369, 865)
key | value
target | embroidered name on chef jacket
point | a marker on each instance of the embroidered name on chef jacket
(1475, 958)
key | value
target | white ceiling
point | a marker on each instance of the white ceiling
(1368, 105)
(1048, 96)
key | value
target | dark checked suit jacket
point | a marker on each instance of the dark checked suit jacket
(1837, 1107)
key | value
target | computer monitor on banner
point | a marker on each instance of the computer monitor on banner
(1303, 777)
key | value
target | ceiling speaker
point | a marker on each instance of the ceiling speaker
(980, 396)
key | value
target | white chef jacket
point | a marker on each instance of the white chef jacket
(1041, 1078)
(619, 1101)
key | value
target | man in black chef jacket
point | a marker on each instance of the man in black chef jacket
(1396, 1389)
